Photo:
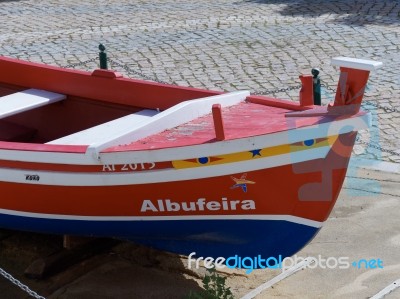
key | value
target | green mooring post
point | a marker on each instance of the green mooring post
(316, 87)
(103, 57)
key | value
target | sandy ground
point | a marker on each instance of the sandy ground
(364, 224)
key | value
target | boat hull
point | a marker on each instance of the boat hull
(270, 211)
(177, 168)
(213, 238)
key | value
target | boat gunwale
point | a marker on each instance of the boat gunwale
(78, 155)
(85, 85)
(14, 74)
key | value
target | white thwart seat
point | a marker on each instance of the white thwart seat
(26, 100)
(106, 130)
(172, 117)
(142, 124)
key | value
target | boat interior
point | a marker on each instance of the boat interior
(37, 120)
(42, 104)
(43, 117)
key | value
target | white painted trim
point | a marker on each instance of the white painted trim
(288, 218)
(170, 118)
(106, 130)
(48, 157)
(26, 100)
(161, 175)
(358, 64)
(193, 151)
(239, 145)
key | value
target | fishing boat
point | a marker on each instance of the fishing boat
(176, 168)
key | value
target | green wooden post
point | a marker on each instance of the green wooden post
(316, 86)
(103, 57)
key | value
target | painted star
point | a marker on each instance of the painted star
(241, 183)
(256, 152)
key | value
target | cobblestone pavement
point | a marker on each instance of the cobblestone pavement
(223, 45)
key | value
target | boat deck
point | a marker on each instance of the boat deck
(243, 120)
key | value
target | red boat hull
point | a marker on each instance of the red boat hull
(180, 169)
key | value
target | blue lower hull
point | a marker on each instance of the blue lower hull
(214, 238)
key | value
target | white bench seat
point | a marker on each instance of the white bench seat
(26, 100)
(106, 130)
(174, 116)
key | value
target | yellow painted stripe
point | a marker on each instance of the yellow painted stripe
(248, 155)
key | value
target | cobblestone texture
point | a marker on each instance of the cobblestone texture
(223, 45)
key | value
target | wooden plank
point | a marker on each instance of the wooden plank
(65, 258)
(26, 100)
(177, 115)
(218, 122)
(106, 130)
(358, 64)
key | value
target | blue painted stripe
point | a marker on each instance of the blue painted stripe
(212, 238)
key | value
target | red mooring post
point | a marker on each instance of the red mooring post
(307, 90)
(218, 122)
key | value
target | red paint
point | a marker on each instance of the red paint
(83, 168)
(243, 120)
(106, 74)
(14, 132)
(272, 194)
(278, 103)
(307, 90)
(17, 146)
(330, 110)
(104, 95)
(308, 189)
(218, 122)
(82, 84)
(351, 87)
